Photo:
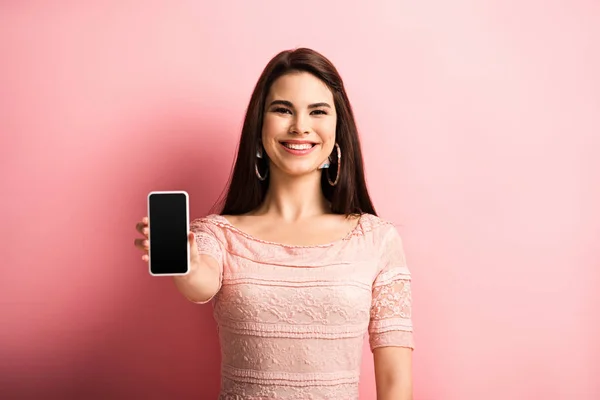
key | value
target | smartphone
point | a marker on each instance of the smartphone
(168, 226)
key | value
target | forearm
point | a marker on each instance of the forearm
(395, 391)
(201, 283)
(393, 373)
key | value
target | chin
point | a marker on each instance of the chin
(300, 171)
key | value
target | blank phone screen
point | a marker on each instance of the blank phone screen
(168, 226)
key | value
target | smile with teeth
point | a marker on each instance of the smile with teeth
(294, 146)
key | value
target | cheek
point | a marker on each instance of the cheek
(267, 128)
(272, 126)
(327, 131)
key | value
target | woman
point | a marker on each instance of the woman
(298, 265)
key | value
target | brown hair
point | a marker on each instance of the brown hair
(246, 192)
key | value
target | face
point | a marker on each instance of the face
(299, 124)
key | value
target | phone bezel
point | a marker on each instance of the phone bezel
(187, 223)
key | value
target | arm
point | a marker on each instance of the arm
(390, 327)
(393, 373)
(203, 281)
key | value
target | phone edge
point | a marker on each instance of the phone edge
(187, 224)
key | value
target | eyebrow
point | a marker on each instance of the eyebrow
(289, 104)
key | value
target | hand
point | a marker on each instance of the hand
(143, 244)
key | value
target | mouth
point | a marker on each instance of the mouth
(298, 147)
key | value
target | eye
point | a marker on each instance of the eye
(282, 110)
(319, 112)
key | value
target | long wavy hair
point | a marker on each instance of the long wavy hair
(246, 192)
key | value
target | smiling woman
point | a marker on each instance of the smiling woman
(298, 264)
(298, 135)
(299, 96)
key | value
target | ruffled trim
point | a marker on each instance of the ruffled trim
(366, 223)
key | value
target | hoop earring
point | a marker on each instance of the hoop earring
(259, 155)
(260, 178)
(339, 167)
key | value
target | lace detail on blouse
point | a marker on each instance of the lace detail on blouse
(232, 390)
(391, 310)
(292, 320)
(206, 241)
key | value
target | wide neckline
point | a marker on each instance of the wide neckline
(224, 221)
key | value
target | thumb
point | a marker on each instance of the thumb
(194, 255)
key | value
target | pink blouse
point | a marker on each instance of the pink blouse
(292, 319)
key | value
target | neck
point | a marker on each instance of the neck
(294, 198)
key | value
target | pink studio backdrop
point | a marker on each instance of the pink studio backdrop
(480, 123)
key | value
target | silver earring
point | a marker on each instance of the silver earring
(259, 154)
(339, 167)
(260, 178)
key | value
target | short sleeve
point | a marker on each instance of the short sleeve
(208, 244)
(391, 306)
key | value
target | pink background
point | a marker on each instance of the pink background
(480, 122)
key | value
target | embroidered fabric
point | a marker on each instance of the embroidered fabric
(232, 390)
(206, 241)
(292, 319)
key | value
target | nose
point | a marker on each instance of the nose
(300, 125)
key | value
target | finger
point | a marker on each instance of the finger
(145, 258)
(141, 228)
(141, 244)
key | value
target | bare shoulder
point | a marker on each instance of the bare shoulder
(317, 230)
(338, 220)
(328, 220)
(244, 221)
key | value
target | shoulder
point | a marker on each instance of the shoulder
(212, 223)
(383, 235)
(378, 228)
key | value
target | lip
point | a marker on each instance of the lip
(295, 151)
